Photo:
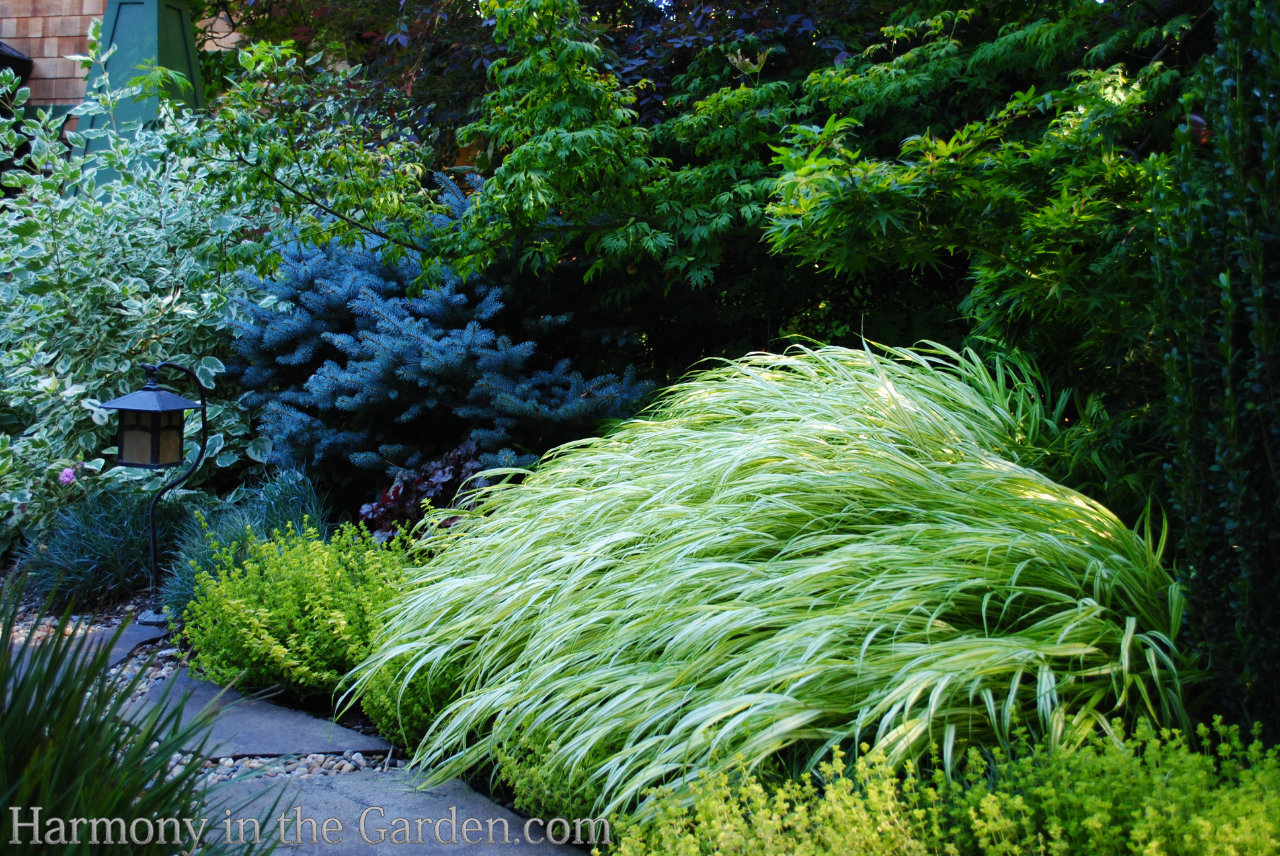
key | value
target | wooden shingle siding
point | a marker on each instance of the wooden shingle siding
(48, 31)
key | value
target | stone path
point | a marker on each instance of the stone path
(253, 727)
(372, 812)
(369, 811)
(130, 639)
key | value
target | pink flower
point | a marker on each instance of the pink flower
(67, 476)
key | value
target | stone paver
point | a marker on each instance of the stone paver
(244, 727)
(370, 812)
(350, 814)
(130, 639)
(397, 817)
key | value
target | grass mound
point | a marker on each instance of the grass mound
(787, 553)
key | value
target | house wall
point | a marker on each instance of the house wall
(48, 31)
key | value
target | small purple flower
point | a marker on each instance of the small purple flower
(67, 476)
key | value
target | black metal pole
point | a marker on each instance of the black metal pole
(156, 616)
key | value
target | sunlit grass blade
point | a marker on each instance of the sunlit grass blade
(784, 554)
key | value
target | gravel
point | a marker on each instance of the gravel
(288, 766)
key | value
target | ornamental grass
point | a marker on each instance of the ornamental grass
(785, 554)
(83, 770)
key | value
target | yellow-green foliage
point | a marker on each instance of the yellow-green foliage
(539, 786)
(1149, 794)
(786, 553)
(295, 611)
(868, 814)
(402, 709)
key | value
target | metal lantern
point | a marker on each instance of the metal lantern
(149, 437)
(151, 426)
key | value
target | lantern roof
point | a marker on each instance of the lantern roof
(151, 399)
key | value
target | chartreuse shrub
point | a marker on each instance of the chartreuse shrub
(295, 611)
(784, 554)
(1147, 793)
(286, 498)
(300, 612)
(69, 751)
(402, 702)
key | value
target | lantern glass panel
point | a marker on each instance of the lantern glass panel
(171, 437)
(136, 429)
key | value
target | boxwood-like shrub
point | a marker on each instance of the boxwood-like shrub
(295, 610)
(1149, 793)
(286, 498)
(401, 706)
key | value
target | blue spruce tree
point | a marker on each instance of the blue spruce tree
(361, 379)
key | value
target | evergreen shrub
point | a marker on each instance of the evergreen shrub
(786, 553)
(541, 787)
(1150, 792)
(286, 498)
(401, 704)
(294, 611)
(1218, 265)
(352, 367)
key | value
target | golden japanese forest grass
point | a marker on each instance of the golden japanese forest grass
(784, 554)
